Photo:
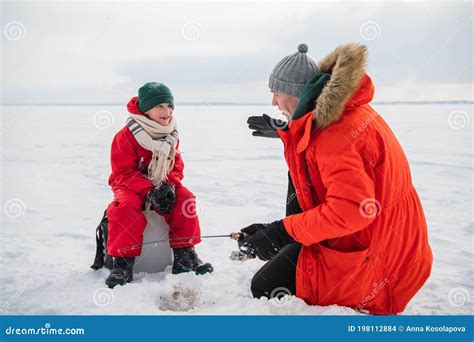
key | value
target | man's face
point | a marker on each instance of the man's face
(285, 103)
(161, 113)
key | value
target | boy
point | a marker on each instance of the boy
(147, 169)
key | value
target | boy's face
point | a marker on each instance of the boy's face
(285, 103)
(161, 113)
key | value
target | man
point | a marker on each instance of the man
(355, 232)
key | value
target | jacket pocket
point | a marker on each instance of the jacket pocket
(355, 279)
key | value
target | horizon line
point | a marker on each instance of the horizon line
(226, 103)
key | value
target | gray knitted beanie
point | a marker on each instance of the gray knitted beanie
(292, 72)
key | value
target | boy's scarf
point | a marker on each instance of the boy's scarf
(160, 140)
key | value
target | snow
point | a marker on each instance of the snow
(55, 165)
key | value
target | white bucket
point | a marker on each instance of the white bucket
(154, 258)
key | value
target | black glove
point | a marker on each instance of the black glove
(162, 199)
(266, 240)
(265, 126)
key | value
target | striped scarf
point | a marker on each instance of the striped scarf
(160, 140)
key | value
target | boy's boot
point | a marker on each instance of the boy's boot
(186, 260)
(122, 272)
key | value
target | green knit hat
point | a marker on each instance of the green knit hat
(152, 94)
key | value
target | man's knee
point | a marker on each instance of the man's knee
(256, 286)
(256, 293)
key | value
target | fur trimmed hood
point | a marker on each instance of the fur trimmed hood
(346, 64)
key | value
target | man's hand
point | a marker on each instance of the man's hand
(162, 199)
(265, 126)
(266, 240)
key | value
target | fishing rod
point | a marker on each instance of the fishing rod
(242, 254)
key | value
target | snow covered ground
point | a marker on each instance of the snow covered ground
(54, 170)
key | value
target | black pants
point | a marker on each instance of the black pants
(280, 271)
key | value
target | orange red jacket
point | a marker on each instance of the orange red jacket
(363, 230)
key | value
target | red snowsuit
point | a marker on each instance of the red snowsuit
(130, 185)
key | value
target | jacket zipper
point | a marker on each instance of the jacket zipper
(140, 163)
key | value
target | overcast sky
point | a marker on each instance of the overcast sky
(101, 52)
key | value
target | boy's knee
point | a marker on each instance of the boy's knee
(183, 193)
(129, 201)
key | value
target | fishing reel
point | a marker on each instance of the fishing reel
(244, 253)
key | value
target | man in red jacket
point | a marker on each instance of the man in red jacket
(355, 233)
(147, 169)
